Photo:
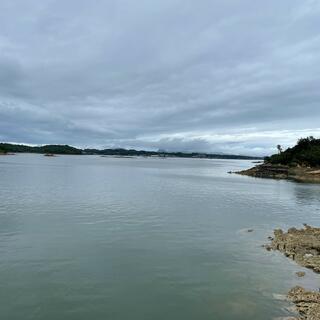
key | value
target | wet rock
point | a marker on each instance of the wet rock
(307, 303)
(267, 247)
(303, 246)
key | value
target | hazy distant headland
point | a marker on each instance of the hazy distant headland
(66, 149)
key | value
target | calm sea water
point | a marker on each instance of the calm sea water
(87, 237)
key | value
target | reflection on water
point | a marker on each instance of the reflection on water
(86, 237)
(307, 194)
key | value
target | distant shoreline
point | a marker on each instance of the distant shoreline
(69, 150)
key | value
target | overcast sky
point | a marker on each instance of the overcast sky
(232, 76)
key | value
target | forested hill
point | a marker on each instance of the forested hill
(54, 149)
(305, 153)
(65, 149)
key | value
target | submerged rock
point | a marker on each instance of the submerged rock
(300, 274)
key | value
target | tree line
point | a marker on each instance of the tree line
(305, 153)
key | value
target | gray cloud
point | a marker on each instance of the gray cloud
(215, 76)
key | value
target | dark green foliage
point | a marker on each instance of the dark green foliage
(60, 149)
(305, 153)
(55, 149)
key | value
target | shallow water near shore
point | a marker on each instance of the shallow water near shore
(87, 237)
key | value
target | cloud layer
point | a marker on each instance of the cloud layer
(215, 76)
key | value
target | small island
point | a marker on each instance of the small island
(300, 163)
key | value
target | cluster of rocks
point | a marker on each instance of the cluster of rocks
(303, 246)
(298, 173)
(307, 303)
(267, 171)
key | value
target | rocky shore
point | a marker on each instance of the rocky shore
(297, 173)
(303, 246)
(307, 303)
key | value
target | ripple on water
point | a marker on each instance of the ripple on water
(98, 238)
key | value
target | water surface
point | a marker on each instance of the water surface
(87, 237)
